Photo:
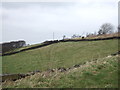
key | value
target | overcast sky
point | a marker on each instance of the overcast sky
(36, 22)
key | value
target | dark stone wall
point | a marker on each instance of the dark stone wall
(57, 41)
(14, 77)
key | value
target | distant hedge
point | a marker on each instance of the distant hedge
(12, 45)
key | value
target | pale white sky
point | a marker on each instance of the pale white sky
(36, 22)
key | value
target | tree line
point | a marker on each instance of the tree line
(106, 28)
(12, 45)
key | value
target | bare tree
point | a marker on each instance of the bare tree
(106, 28)
(100, 32)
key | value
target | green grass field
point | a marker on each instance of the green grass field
(102, 73)
(64, 54)
(0, 65)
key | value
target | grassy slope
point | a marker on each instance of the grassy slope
(58, 55)
(0, 65)
(102, 73)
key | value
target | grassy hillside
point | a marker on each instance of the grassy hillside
(57, 55)
(0, 65)
(100, 73)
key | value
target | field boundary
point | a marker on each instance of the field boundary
(14, 77)
(46, 43)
